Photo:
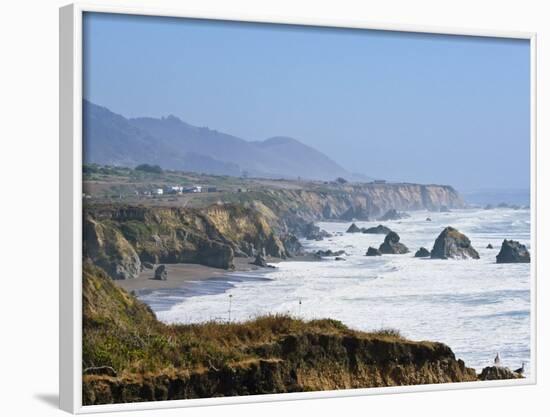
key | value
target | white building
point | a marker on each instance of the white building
(176, 189)
(159, 191)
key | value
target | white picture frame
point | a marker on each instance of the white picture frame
(70, 153)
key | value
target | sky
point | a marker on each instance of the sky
(400, 106)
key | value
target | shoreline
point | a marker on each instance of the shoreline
(182, 274)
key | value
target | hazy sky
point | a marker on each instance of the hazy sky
(411, 107)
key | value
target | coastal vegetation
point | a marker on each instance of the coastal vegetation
(128, 355)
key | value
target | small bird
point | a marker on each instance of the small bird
(497, 360)
(520, 370)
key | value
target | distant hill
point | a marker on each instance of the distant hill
(112, 139)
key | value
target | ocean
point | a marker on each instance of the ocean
(477, 307)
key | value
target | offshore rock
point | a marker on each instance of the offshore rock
(392, 245)
(512, 251)
(378, 230)
(422, 253)
(453, 244)
(353, 229)
(373, 252)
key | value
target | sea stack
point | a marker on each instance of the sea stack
(512, 251)
(373, 252)
(451, 244)
(422, 253)
(160, 273)
(353, 229)
(260, 261)
(378, 230)
(392, 245)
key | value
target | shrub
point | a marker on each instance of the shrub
(153, 169)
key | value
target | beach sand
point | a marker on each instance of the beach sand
(179, 274)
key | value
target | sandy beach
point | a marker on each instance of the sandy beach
(180, 274)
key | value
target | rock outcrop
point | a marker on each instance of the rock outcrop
(451, 244)
(373, 252)
(330, 252)
(353, 229)
(313, 232)
(107, 247)
(161, 273)
(119, 238)
(292, 244)
(393, 214)
(378, 230)
(512, 251)
(147, 265)
(422, 253)
(489, 246)
(260, 261)
(491, 373)
(392, 245)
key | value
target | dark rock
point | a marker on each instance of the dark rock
(329, 252)
(260, 261)
(393, 214)
(512, 251)
(491, 373)
(373, 252)
(353, 229)
(313, 232)
(339, 258)
(422, 253)
(161, 273)
(428, 219)
(392, 245)
(453, 244)
(147, 265)
(292, 244)
(378, 230)
(489, 246)
(444, 209)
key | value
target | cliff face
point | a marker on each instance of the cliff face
(119, 238)
(308, 362)
(129, 356)
(364, 201)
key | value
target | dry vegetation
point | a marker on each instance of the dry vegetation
(123, 333)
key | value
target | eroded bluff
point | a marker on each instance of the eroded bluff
(129, 356)
(118, 239)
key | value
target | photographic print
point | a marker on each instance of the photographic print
(276, 208)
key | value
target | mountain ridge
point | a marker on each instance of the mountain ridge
(112, 139)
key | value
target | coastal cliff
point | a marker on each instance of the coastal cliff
(118, 237)
(129, 356)
(293, 207)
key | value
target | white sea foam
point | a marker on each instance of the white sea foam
(477, 307)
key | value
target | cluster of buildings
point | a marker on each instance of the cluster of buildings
(178, 189)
